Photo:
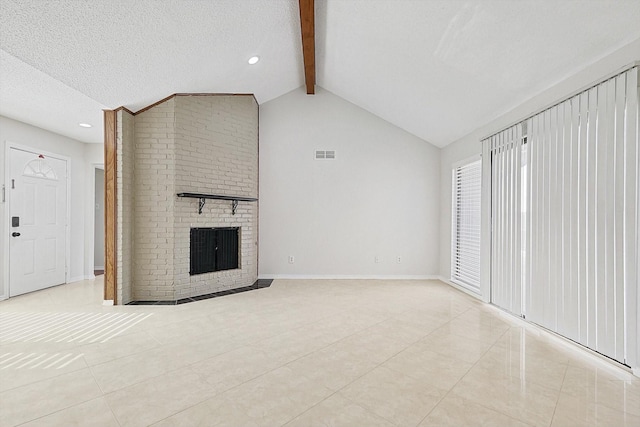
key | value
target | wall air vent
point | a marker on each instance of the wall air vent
(325, 154)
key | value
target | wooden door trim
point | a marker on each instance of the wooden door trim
(110, 206)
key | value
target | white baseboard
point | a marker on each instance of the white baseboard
(107, 302)
(80, 278)
(346, 277)
(98, 267)
(461, 289)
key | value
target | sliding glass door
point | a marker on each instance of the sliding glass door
(564, 217)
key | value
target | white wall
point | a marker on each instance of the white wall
(98, 223)
(93, 157)
(470, 144)
(24, 134)
(378, 198)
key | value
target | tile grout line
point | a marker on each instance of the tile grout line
(48, 378)
(252, 378)
(293, 360)
(346, 385)
(66, 407)
(104, 396)
(366, 373)
(462, 377)
(564, 377)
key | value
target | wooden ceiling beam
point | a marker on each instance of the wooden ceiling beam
(307, 25)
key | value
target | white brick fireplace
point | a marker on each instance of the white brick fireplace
(186, 144)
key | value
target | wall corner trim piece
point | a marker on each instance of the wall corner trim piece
(165, 99)
(110, 201)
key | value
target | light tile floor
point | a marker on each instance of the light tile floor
(300, 353)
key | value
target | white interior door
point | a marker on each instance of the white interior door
(37, 228)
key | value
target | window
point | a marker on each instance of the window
(38, 168)
(465, 241)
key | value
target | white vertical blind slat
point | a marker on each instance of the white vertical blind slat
(574, 305)
(631, 217)
(547, 274)
(581, 259)
(494, 207)
(499, 220)
(601, 219)
(560, 223)
(570, 306)
(608, 340)
(506, 219)
(532, 204)
(555, 214)
(516, 299)
(591, 175)
(486, 225)
(618, 214)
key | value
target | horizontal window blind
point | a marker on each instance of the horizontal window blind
(466, 226)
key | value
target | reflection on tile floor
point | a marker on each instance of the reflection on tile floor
(299, 353)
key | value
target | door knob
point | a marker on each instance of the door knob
(15, 234)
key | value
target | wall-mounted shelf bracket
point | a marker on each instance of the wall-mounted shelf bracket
(202, 198)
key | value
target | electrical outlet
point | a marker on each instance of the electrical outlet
(398, 259)
(377, 259)
(291, 259)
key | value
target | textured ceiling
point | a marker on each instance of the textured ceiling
(134, 53)
(441, 69)
(436, 68)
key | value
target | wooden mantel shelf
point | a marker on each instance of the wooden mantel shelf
(203, 197)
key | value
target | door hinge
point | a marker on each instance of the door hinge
(2, 193)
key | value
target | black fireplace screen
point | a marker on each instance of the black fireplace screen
(213, 249)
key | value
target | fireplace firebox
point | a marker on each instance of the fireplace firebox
(213, 249)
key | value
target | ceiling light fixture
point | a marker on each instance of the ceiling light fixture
(253, 60)
(85, 125)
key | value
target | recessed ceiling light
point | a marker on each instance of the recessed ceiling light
(85, 125)
(253, 60)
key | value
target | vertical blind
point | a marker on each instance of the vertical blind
(564, 216)
(584, 224)
(507, 206)
(466, 226)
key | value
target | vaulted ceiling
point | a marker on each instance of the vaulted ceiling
(437, 68)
